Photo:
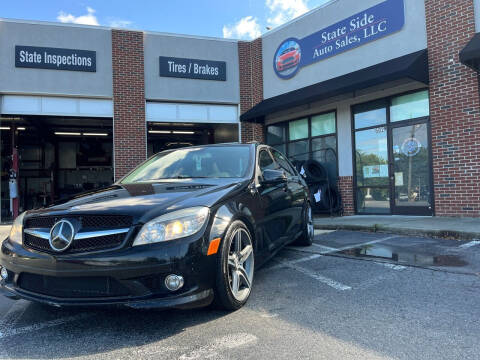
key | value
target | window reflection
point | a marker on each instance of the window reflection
(410, 106)
(370, 114)
(298, 129)
(371, 152)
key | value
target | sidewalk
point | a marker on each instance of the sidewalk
(443, 227)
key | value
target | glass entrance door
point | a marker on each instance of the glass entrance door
(410, 173)
(393, 170)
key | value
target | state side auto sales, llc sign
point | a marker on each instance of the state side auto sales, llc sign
(193, 68)
(359, 29)
(55, 58)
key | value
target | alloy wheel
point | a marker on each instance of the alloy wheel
(240, 264)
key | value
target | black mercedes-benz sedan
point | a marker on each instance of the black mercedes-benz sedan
(185, 228)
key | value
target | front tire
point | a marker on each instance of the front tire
(235, 268)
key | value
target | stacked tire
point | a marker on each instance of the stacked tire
(324, 197)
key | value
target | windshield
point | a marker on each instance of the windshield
(207, 162)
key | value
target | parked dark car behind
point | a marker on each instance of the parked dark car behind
(185, 228)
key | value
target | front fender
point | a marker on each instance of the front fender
(228, 213)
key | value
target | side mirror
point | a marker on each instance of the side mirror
(272, 177)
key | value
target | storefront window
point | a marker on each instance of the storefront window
(298, 150)
(373, 200)
(371, 155)
(323, 124)
(370, 114)
(309, 138)
(324, 151)
(298, 129)
(281, 147)
(276, 134)
(410, 106)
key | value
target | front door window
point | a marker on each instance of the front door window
(411, 166)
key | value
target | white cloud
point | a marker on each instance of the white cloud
(88, 19)
(119, 23)
(245, 28)
(282, 11)
(278, 12)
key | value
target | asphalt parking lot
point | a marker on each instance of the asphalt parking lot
(350, 296)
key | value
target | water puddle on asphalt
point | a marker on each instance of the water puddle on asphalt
(402, 256)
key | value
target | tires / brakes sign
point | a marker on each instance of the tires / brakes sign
(357, 30)
(193, 68)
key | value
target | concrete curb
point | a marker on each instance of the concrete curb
(442, 234)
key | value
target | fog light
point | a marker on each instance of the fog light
(173, 282)
(3, 273)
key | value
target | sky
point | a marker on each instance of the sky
(237, 19)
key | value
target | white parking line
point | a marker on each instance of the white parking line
(470, 244)
(284, 263)
(321, 232)
(327, 281)
(42, 325)
(327, 248)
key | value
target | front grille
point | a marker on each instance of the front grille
(86, 221)
(80, 245)
(97, 243)
(72, 287)
(287, 60)
(36, 243)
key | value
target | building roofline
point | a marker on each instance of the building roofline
(200, 37)
(53, 23)
(109, 28)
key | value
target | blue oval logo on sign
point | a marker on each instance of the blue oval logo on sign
(287, 58)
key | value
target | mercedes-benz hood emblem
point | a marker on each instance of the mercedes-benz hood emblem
(61, 235)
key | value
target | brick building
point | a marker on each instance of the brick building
(384, 93)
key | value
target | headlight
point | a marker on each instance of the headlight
(16, 230)
(174, 225)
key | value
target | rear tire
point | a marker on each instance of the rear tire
(235, 267)
(306, 239)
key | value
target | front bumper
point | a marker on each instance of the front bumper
(133, 276)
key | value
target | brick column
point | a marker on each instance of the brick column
(251, 86)
(454, 109)
(345, 186)
(129, 127)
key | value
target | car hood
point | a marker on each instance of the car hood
(145, 201)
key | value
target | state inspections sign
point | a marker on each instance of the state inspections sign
(193, 68)
(55, 58)
(357, 30)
